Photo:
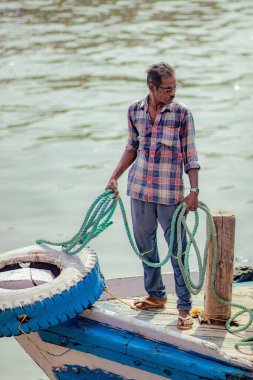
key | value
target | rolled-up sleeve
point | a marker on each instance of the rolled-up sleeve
(188, 146)
(132, 143)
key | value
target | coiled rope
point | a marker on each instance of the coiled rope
(98, 218)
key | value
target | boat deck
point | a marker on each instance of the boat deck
(217, 334)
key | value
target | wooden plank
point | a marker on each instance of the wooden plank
(134, 286)
(167, 317)
(24, 278)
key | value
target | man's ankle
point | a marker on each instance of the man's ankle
(184, 313)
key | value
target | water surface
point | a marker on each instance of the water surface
(69, 70)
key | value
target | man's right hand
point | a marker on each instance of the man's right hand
(112, 184)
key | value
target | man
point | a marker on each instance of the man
(160, 145)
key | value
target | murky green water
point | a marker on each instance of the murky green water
(69, 70)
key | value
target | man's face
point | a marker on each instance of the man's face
(165, 93)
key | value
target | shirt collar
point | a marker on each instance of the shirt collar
(167, 107)
(144, 106)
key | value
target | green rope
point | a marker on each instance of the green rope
(96, 221)
(98, 218)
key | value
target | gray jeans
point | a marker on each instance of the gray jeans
(145, 218)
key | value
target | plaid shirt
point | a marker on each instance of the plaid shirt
(163, 150)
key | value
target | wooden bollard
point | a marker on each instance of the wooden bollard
(225, 229)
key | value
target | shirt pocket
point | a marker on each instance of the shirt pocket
(170, 138)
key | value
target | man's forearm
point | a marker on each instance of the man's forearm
(126, 160)
(193, 177)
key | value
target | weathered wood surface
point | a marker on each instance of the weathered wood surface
(212, 333)
(225, 229)
(24, 278)
(134, 286)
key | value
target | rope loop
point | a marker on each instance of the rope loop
(98, 219)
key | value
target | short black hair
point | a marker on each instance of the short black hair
(157, 71)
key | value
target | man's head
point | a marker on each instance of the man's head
(161, 80)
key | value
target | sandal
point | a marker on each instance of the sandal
(185, 323)
(145, 303)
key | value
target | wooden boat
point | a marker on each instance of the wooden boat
(112, 341)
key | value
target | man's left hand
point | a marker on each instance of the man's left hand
(191, 202)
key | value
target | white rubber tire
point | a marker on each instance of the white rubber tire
(78, 286)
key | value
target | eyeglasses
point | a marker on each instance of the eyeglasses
(169, 90)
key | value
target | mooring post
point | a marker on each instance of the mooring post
(225, 229)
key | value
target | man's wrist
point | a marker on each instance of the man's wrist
(114, 176)
(194, 190)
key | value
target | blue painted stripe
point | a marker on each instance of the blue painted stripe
(135, 351)
(84, 373)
